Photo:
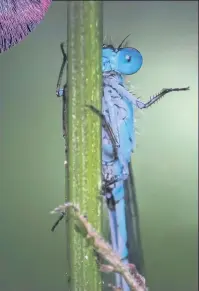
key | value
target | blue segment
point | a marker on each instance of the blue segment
(108, 59)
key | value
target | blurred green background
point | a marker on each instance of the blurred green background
(165, 163)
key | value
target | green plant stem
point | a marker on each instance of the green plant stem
(84, 87)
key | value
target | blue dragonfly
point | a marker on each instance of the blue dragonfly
(118, 141)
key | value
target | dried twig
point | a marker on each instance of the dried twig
(129, 272)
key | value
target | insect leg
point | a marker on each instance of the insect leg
(109, 93)
(107, 127)
(113, 139)
(58, 221)
(59, 91)
(157, 97)
(110, 189)
(62, 92)
(137, 102)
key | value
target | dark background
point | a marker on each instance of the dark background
(164, 164)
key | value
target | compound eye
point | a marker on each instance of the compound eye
(128, 61)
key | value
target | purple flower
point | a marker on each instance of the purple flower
(18, 18)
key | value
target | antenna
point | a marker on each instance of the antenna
(123, 41)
